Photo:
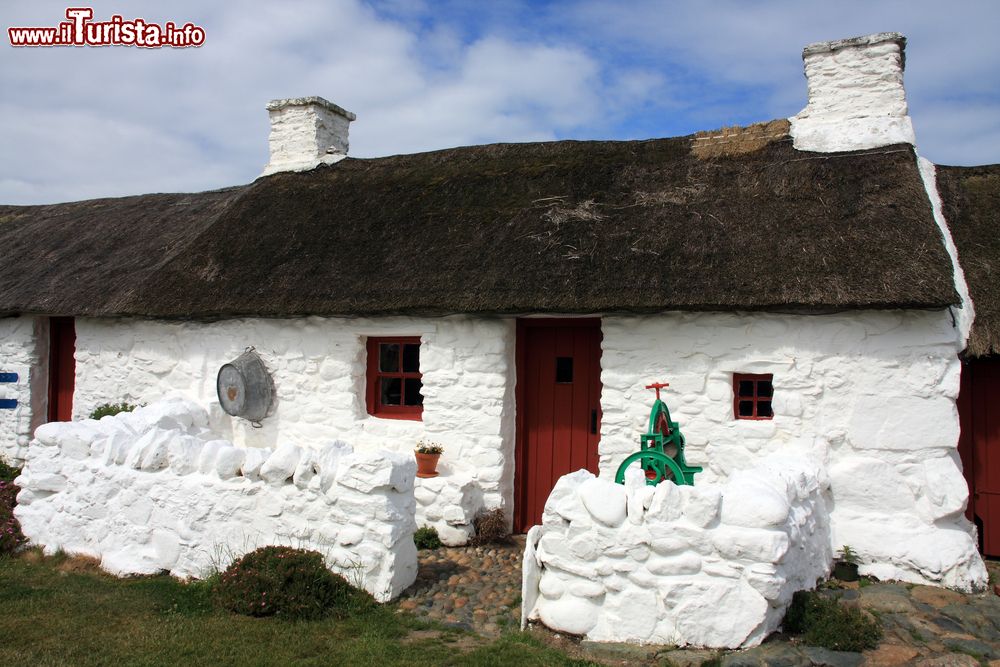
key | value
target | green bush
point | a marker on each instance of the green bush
(106, 409)
(8, 473)
(825, 622)
(426, 537)
(287, 582)
(10, 528)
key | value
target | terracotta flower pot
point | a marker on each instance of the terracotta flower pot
(427, 464)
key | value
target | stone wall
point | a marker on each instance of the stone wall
(20, 338)
(874, 392)
(449, 503)
(319, 369)
(881, 381)
(708, 565)
(156, 490)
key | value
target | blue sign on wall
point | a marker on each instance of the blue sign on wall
(8, 377)
(8, 403)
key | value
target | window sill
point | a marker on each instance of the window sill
(405, 416)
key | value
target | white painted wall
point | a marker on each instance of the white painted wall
(156, 490)
(318, 367)
(709, 565)
(863, 381)
(872, 389)
(874, 393)
(23, 350)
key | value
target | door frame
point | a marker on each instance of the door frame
(520, 364)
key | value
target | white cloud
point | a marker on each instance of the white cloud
(87, 122)
(194, 119)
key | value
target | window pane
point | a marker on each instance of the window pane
(564, 369)
(746, 408)
(411, 358)
(412, 395)
(388, 357)
(746, 387)
(391, 388)
(764, 409)
(765, 388)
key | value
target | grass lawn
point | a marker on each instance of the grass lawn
(61, 611)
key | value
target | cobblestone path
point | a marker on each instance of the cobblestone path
(477, 588)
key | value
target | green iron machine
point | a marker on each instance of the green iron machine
(662, 448)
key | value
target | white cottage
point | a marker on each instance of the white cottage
(795, 282)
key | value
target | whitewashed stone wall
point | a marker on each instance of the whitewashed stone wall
(318, 367)
(449, 504)
(154, 490)
(875, 391)
(20, 353)
(856, 95)
(709, 565)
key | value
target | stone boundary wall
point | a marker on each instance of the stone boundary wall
(449, 503)
(708, 565)
(153, 491)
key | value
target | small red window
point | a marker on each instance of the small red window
(394, 379)
(752, 396)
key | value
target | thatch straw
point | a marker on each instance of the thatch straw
(971, 197)
(568, 226)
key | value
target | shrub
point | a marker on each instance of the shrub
(825, 622)
(426, 537)
(11, 536)
(8, 473)
(287, 582)
(847, 555)
(106, 409)
(491, 527)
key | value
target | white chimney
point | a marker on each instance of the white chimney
(856, 96)
(306, 132)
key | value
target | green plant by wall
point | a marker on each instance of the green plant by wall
(847, 555)
(286, 582)
(426, 537)
(106, 409)
(822, 621)
(8, 473)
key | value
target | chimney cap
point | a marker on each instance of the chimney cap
(274, 105)
(861, 41)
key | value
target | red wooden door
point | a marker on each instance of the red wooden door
(979, 447)
(62, 368)
(558, 408)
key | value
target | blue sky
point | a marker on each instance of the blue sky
(77, 123)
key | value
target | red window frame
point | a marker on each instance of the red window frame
(756, 399)
(375, 374)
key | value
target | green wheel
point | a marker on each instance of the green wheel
(657, 466)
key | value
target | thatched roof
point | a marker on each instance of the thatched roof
(971, 197)
(91, 257)
(727, 221)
